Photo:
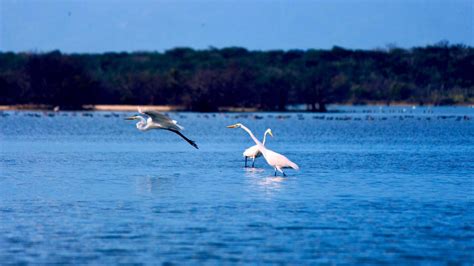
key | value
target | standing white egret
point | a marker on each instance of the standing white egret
(274, 159)
(253, 152)
(159, 121)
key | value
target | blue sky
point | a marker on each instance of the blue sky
(111, 25)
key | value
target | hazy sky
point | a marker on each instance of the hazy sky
(110, 25)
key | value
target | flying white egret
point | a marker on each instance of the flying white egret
(159, 121)
(253, 152)
(274, 159)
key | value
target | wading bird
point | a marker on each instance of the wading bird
(253, 152)
(159, 121)
(276, 160)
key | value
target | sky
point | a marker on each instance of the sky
(95, 26)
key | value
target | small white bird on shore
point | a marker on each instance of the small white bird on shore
(253, 152)
(274, 159)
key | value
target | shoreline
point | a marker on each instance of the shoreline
(117, 108)
(178, 108)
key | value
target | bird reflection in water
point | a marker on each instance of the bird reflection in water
(272, 180)
(254, 170)
(269, 184)
(153, 184)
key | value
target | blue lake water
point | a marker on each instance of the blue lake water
(376, 185)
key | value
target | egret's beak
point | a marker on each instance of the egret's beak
(130, 118)
(270, 132)
(233, 126)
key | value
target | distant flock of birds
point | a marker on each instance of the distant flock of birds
(259, 117)
(157, 120)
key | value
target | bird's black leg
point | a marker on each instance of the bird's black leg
(284, 174)
(253, 163)
(245, 161)
(185, 138)
(275, 172)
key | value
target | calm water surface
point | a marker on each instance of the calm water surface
(388, 185)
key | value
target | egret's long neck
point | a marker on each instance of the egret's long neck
(264, 137)
(141, 125)
(259, 144)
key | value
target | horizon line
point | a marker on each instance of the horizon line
(386, 48)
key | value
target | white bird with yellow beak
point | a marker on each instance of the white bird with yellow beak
(274, 159)
(253, 152)
(159, 121)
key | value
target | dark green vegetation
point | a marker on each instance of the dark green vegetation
(204, 80)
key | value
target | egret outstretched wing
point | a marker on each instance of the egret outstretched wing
(163, 120)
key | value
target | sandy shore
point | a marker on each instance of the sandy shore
(102, 107)
(170, 108)
(120, 108)
(163, 108)
(160, 108)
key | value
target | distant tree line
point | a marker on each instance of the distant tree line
(204, 80)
